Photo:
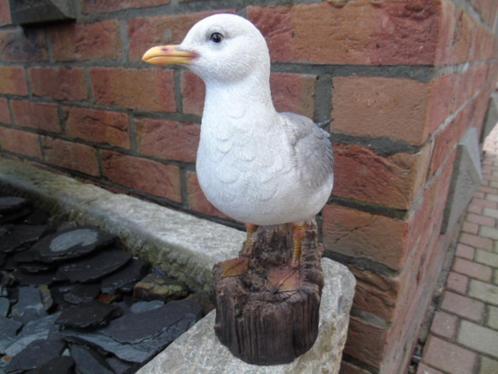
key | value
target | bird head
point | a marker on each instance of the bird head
(221, 48)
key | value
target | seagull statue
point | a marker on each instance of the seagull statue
(255, 165)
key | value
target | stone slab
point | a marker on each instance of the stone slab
(465, 180)
(25, 12)
(199, 351)
(184, 246)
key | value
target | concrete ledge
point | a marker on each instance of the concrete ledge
(185, 246)
(199, 351)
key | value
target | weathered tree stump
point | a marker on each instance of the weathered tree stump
(267, 312)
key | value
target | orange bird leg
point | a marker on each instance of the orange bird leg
(298, 234)
(251, 229)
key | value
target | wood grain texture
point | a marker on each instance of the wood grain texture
(267, 313)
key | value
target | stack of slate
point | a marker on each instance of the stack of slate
(72, 299)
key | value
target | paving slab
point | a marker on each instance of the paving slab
(489, 232)
(493, 318)
(488, 366)
(484, 291)
(488, 258)
(449, 357)
(478, 338)
(491, 212)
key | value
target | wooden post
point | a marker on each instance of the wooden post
(267, 312)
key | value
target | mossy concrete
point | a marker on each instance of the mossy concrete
(184, 246)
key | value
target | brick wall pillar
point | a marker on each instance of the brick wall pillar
(400, 81)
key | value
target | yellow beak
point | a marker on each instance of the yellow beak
(168, 55)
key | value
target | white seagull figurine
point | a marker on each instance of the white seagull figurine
(254, 164)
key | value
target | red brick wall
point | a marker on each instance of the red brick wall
(401, 80)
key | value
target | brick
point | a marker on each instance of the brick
(59, 83)
(445, 141)
(394, 33)
(470, 227)
(72, 156)
(476, 241)
(143, 175)
(393, 181)
(197, 200)
(444, 324)
(449, 357)
(486, 9)
(455, 39)
(170, 140)
(492, 317)
(487, 258)
(465, 251)
(427, 219)
(4, 112)
(140, 89)
(293, 92)
(349, 368)
(472, 269)
(101, 6)
(375, 293)
(12, 81)
(20, 142)
(378, 107)
(463, 306)
(36, 115)
(145, 32)
(23, 45)
(478, 338)
(193, 92)
(457, 282)
(425, 225)
(481, 220)
(98, 126)
(358, 346)
(488, 366)
(5, 13)
(489, 232)
(365, 235)
(484, 291)
(443, 101)
(423, 369)
(86, 41)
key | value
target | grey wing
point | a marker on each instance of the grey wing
(311, 148)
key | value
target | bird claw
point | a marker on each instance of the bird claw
(295, 263)
(247, 248)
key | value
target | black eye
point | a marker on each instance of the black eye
(216, 37)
